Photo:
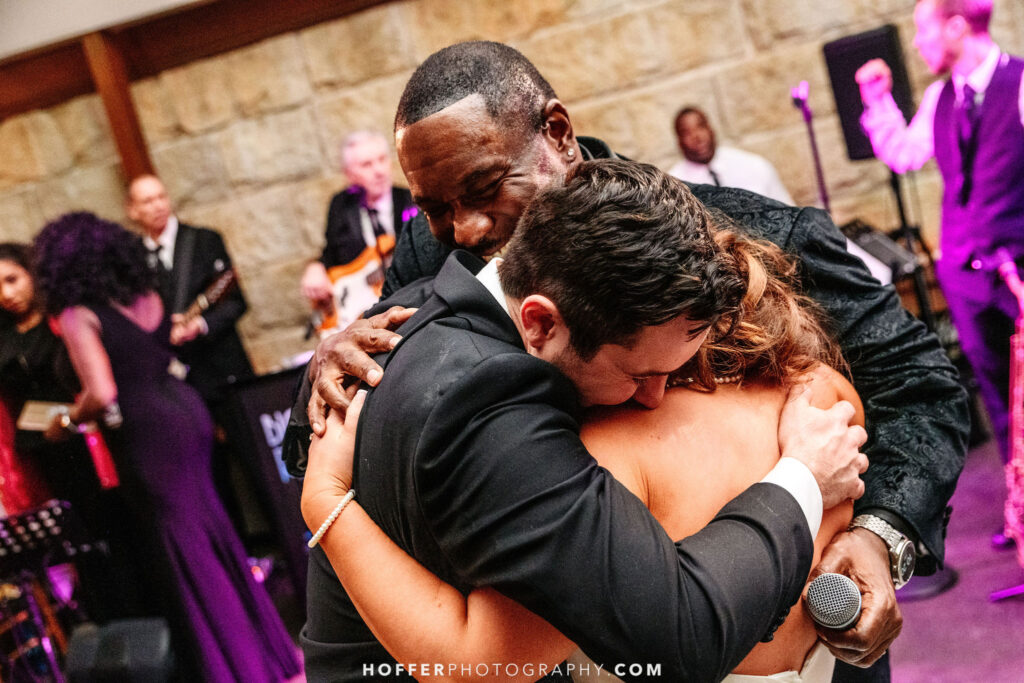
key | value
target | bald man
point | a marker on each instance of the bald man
(188, 260)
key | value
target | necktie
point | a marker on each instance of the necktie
(968, 114)
(163, 275)
(714, 177)
(967, 125)
(378, 231)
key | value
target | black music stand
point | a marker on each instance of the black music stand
(29, 543)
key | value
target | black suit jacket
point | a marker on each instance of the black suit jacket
(218, 357)
(345, 239)
(916, 408)
(468, 456)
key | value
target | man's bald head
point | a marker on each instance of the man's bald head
(148, 205)
(513, 91)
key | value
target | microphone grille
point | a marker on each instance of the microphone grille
(833, 601)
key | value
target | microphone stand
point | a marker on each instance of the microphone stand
(909, 235)
(799, 94)
(1013, 511)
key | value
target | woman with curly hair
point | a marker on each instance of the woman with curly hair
(714, 435)
(97, 282)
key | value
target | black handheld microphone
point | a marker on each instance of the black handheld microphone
(833, 601)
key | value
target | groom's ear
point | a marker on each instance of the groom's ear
(545, 334)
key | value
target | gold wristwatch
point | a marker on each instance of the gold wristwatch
(901, 550)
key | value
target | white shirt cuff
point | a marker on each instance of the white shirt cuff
(796, 478)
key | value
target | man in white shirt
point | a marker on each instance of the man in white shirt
(973, 124)
(706, 163)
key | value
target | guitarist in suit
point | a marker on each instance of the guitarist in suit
(369, 214)
(188, 260)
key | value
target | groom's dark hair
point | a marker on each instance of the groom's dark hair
(619, 247)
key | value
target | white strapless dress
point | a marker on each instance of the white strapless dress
(817, 669)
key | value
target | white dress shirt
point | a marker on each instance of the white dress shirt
(735, 168)
(386, 213)
(165, 242)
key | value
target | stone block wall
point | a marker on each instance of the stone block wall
(247, 142)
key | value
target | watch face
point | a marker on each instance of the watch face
(905, 562)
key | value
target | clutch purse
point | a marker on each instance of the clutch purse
(36, 416)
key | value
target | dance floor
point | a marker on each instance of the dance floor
(960, 635)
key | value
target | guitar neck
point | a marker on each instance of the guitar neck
(211, 295)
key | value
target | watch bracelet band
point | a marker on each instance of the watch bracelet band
(897, 545)
(887, 532)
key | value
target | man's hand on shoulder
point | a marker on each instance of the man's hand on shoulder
(342, 361)
(862, 556)
(826, 442)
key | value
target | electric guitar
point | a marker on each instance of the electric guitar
(355, 286)
(211, 295)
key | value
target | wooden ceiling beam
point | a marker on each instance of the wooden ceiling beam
(43, 79)
(217, 27)
(48, 76)
(110, 75)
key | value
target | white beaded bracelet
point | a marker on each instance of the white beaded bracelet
(331, 517)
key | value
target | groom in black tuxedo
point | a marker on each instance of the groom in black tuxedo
(188, 260)
(469, 456)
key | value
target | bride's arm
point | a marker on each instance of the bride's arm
(416, 616)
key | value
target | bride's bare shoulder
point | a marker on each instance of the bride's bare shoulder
(828, 387)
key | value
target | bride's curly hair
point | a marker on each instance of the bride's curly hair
(779, 334)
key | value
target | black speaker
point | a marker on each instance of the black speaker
(843, 57)
(124, 651)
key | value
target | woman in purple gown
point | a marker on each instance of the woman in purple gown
(96, 281)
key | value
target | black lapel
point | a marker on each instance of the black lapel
(184, 252)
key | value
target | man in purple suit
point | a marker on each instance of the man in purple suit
(973, 124)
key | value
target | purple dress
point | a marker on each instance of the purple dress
(225, 624)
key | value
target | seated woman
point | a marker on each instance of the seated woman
(714, 435)
(34, 367)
